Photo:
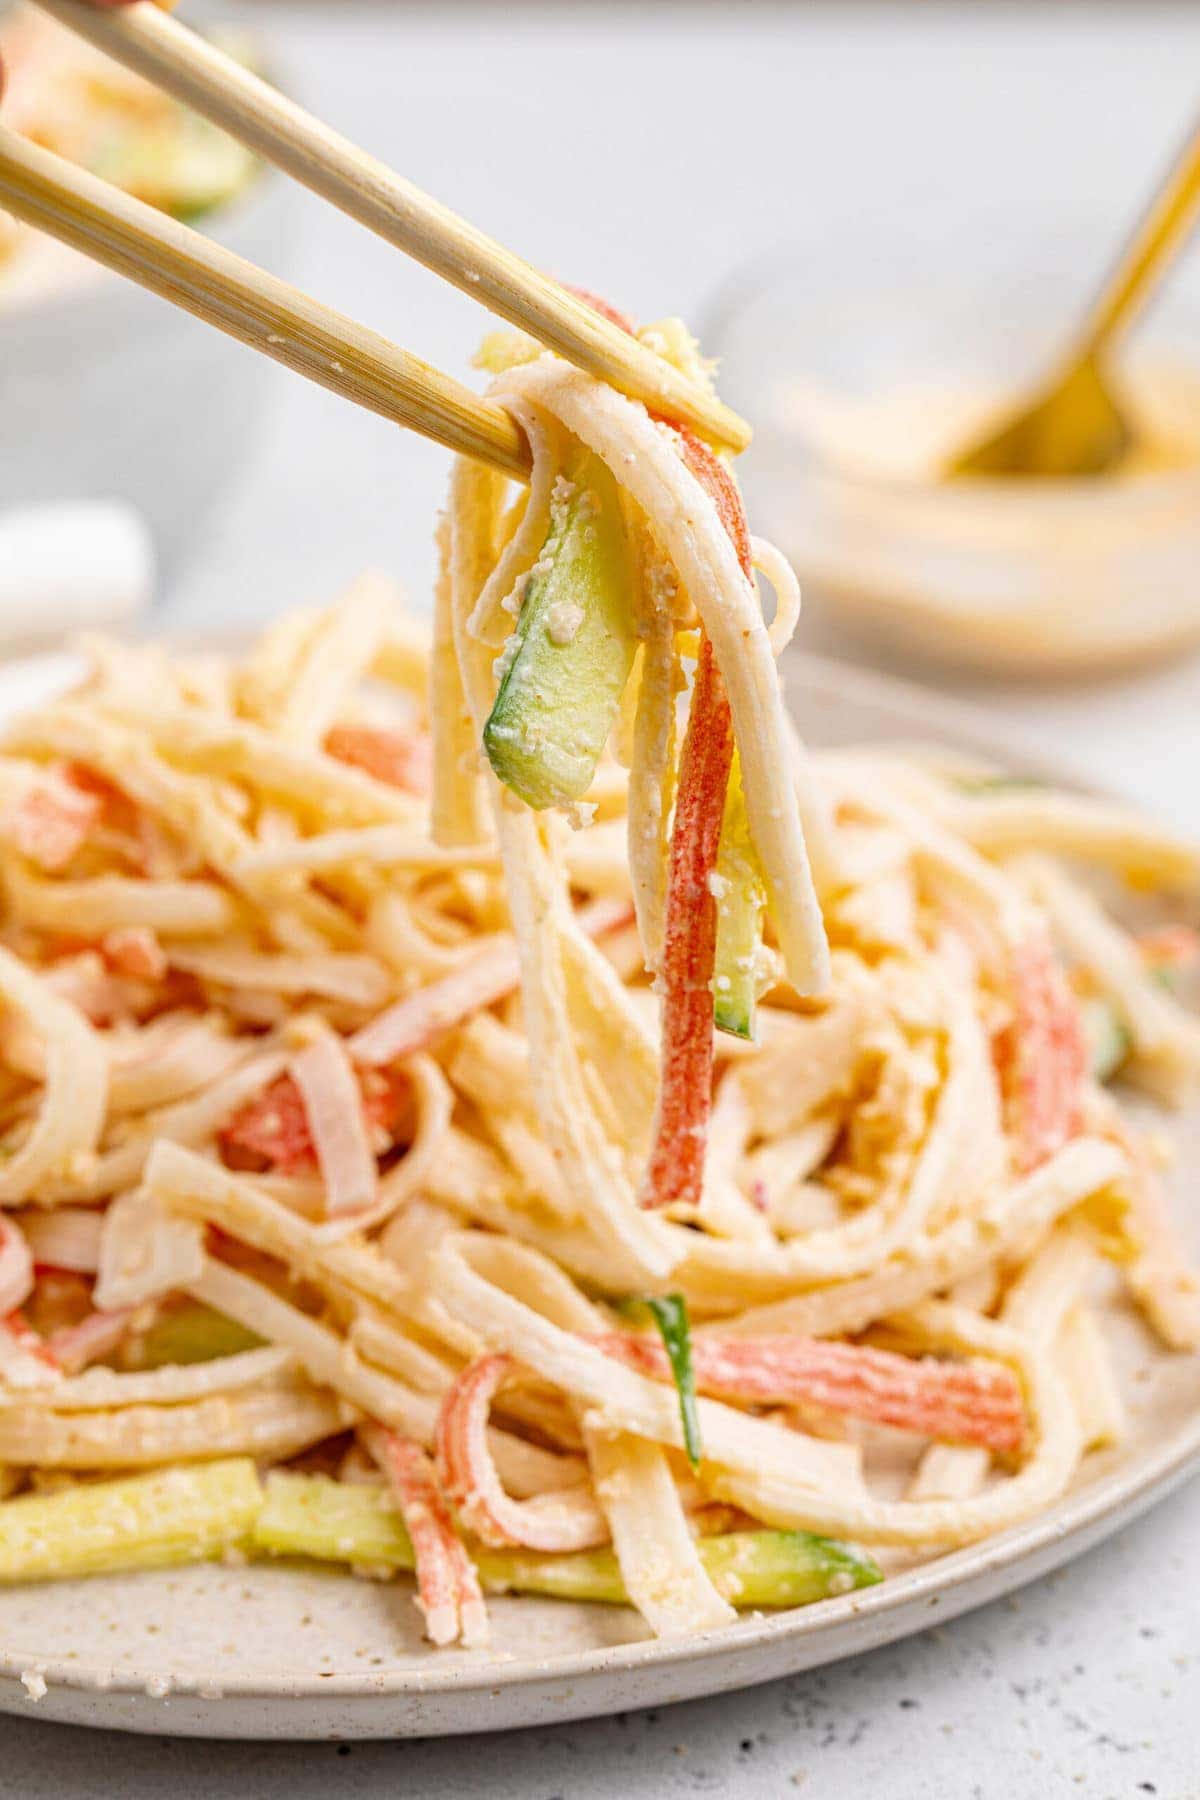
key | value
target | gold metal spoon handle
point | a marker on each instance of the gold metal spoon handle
(1156, 238)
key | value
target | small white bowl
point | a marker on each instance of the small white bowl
(1021, 577)
(108, 392)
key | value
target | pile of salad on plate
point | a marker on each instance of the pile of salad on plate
(487, 1101)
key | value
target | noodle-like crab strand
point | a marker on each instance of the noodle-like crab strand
(448, 1592)
(16, 1267)
(1041, 1055)
(675, 1172)
(569, 1520)
(973, 1403)
(20, 1336)
(98, 1334)
(53, 820)
(397, 758)
(490, 975)
(275, 1125)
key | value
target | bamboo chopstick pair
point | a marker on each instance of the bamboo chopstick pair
(184, 266)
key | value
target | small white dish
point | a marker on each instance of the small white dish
(865, 365)
(294, 1652)
(108, 392)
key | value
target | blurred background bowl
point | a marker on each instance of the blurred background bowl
(857, 385)
(108, 392)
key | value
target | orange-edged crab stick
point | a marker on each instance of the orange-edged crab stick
(568, 1519)
(448, 1591)
(1041, 1055)
(952, 1402)
(675, 1171)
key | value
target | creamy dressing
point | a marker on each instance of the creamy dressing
(1021, 576)
(909, 431)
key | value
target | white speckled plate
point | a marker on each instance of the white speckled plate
(298, 1652)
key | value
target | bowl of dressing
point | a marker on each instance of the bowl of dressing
(859, 391)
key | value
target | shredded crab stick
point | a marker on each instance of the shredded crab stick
(397, 758)
(448, 1591)
(26, 1363)
(569, 1520)
(1041, 1056)
(623, 320)
(490, 975)
(969, 1403)
(134, 950)
(98, 1335)
(338, 1124)
(275, 1128)
(1168, 948)
(675, 1172)
(24, 1359)
(16, 1267)
(53, 820)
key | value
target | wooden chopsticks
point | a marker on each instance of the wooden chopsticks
(269, 314)
(158, 47)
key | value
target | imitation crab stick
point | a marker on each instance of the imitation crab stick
(1041, 1055)
(970, 1403)
(341, 1522)
(401, 759)
(53, 820)
(16, 1266)
(18, 1336)
(275, 1128)
(675, 1171)
(491, 974)
(448, 1590)
(97, 1335)
(566, 1520)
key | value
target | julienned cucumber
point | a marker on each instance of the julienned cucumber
(170, 1517)
(571, 654)
(189, 1332)
(331, 1521)
(741, 898)
(188, 1515)
(748, 1568)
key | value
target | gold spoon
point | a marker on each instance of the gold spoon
(1072, 425)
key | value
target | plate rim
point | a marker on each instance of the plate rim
(1111, 1500)
(1078, 1521)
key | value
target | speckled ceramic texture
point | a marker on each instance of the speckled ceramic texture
(286, 1651)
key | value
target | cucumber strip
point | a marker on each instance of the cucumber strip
(570, 657)
(747, 1568)
(190, 1333)
(785, 1568)
(330, 1521)
(741, 897)
(179, 1515)
(1109, 1042)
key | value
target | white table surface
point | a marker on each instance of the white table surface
(646, 151)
